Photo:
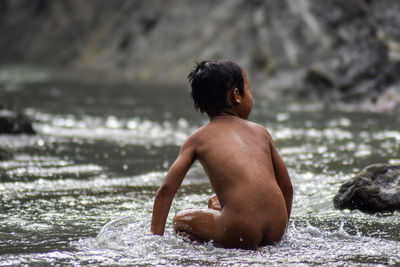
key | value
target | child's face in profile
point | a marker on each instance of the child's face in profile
(247, 102)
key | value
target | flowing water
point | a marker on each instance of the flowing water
(101, 152)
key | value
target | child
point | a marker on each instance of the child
(253, 190)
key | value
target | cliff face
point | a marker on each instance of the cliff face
(337, 51)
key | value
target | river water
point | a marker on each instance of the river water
(102, 150)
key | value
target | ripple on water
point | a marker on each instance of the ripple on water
(124, 131)
(54, 217)
(25, 167)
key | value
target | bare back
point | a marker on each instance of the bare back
(237, 157)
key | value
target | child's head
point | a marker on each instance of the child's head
(211, 81)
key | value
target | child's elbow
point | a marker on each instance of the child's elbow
(165, 191)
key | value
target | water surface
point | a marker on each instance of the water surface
(102, 150)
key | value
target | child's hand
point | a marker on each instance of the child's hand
(213, 203)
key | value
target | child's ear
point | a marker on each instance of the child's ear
(236, 97)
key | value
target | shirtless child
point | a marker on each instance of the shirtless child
(253, 190)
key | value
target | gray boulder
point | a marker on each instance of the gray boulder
(374, 189)
(12, 122)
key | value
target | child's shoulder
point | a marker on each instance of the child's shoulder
(256, 126)
(203, 133)
(196, 136)
(259, 128)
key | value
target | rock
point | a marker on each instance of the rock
(12, 122)
(319, 81)
(374, 189)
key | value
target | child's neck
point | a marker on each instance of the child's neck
(225, 113)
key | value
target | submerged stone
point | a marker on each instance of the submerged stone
(12, 122)
(374, 189)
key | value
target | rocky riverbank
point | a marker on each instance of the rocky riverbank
(344, 54)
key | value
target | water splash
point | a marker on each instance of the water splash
(128, 239)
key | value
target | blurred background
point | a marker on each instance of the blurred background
(95, 104)
(342, 54)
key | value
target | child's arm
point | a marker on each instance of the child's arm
(282, 177)
(168, 188)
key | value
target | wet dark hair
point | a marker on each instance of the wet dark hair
(211, 81)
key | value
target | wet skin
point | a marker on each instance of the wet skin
(253, 191)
